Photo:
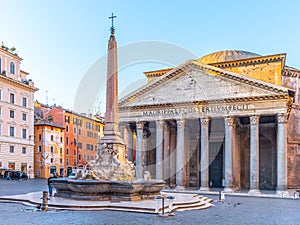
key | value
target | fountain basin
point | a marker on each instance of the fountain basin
(106, 190)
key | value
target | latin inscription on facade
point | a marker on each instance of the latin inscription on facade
(195, 110)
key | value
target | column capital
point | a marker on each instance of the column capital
(140, 125)
(254, 120)
(180, 123)
(204, 121)
(229, 121)
(282, 118)
(160, 124)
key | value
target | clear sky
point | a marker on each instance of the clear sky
(60, 40)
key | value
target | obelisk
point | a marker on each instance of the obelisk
(112, 137)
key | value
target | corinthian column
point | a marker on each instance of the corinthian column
(159, 148)
(172, 157)
(254, 155)
(281, 153)
(167, 153)
(229, 123)
(129, 143)
(204, 164)
(140, 149)
(181, 155)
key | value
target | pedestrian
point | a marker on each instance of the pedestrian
(8, 176)
(49, 185)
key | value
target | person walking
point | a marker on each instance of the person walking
(49, 185)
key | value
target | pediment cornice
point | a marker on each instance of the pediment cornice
(211, 71)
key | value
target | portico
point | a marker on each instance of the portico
(204, 128)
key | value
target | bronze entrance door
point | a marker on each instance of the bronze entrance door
(216, 150)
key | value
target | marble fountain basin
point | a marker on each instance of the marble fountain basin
(107, 189)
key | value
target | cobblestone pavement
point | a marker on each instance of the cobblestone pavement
(235, 210)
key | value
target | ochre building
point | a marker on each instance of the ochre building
(229, 119)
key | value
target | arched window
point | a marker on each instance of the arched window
(12, 68)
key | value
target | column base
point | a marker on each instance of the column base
(204, 189)
(228, 190)
(180, 188)
(254, 192)
(283, 194)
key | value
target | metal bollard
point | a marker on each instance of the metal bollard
(221, 196)
(296, 195)
(171, 200)
(45, 201)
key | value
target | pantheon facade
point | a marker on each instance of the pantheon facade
(229, 119)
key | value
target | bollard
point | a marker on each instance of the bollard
(157, 198)
(45, 201)
(221, 196)
(171, 200)
(296, 195)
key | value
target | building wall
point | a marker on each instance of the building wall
(45, 160)
(17, 115)
(81, 138)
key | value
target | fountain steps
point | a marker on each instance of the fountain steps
(181, 202)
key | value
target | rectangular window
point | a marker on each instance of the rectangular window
(97, 128)
(51, 160)
(11, 149)
(40, 137)
(0, 89)
(79, 145)
(12, 114)
(40, 148)
(74, 152)
(23, 150)
(24, 116)
(75, 130)
(67, 140)
(67, 119)
(52, 149)
(60, 160)
(12, 98)
(67, 151)
(12, 131)
(24, 133)
(67, 128)
(24, 102)
(67, 161)
(79, 131)
(0, 111)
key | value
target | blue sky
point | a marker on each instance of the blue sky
(60, 40)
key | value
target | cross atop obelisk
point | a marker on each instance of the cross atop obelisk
(112, 137)
(112, 20)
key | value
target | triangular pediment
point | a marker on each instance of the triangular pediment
(197, 82)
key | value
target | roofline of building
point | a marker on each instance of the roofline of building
(43, 123)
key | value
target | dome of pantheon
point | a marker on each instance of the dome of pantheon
(227, 55)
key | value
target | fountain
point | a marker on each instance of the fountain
(108, 179)
(111, 176)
